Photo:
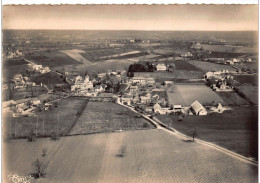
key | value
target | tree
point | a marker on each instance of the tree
(194, 134)
(39, 168)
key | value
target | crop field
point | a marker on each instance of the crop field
(26, 92)
(229, 48)
(60, 117)
(215, 54)
(10, 71)
(185, 95)
(208, 66)
(248, 66)
(106, 117)
(235, 130)
(49, 79)
(183, 65)
(250, 92)
(75, 54)
(51, 58)
(232, 98)
(133, 156)
(171, 76)
(247, 79)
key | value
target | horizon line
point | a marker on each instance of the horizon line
(136, 30)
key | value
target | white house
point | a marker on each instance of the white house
(198, 109)
(161, 67)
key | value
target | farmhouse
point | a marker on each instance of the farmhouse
(159, 110)
(186, 55)
(168, 82)
(198, 109)
(161, 67)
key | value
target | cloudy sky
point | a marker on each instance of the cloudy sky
(134, 17)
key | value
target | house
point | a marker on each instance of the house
(36, 102)
(161, 67)
(229, 62)
(159, 110)
(168, 82)
(198, 109)
(235, 60)
(18, 77)
(209, 75)
(177, 107)
(186, 55)
(126, 100)
(99, 89)
(145, 99)
(36, 67)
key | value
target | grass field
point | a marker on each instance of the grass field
(207, 66)
(51, 58)
(10, 71)
(76, 55)
(183, 65)
(133, 156)
(229, 48)
(60, 117)
(235, 130)
(106, 117)
(250, 92)
(247, 79)
(232, 98)
(49, 79)
(171, 76)
(95, 55)
(185, 95)
(22, 93)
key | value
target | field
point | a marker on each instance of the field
(133, 156)
(235, 130)
(185, 95)
(250, 92)
(60, 117)
(207, 66)
(75, 54)
(183, 65)
(106, 117)
(49, 79)
(247, 79)
(10, 71)
(51, 58)
(96, 55)
(24, 92)
(171, 76)
(232, 98)
(229, 48)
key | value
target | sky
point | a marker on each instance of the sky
(132, 17)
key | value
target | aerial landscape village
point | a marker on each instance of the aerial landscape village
(200, 86)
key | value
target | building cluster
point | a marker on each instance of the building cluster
(14, 54)
(22, 81)
(38, 68)
(221, 80)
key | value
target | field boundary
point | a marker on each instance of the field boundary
(66, 133)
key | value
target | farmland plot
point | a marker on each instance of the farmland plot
(208, 66)
(250, 92)
(51, 58)
(60, 117)
(185, 95)
(107, 117)
(133, 156)
(235, 130)
(75, 54)
(232, 98)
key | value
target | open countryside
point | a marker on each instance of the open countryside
(130, 106)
